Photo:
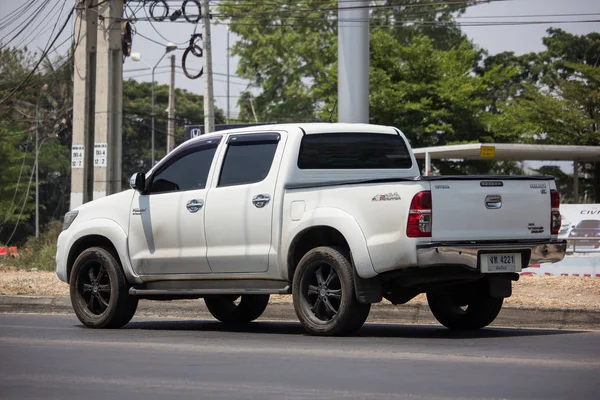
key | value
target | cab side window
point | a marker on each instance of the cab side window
(248, 159)
(189, 171)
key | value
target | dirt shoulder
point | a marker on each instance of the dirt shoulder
(537, 291)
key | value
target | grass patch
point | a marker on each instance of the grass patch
(37, 253)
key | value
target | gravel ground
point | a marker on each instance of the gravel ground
(544, 291)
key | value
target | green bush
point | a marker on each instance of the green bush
(38, 252)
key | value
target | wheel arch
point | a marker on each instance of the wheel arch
(309, 238)
(329, 227)
(102, 233)
(87, 242)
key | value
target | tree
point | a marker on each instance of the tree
(55, 114)
(17, 150)
(137, 122)
(289, 50)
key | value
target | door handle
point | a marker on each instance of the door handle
(261, 200)
(194, 205)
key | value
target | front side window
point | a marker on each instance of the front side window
(188, 172)
(248, 159)
(353, 151)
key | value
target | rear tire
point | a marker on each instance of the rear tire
(99, 291)
(225, 309)
(324, 296)
(476, 312)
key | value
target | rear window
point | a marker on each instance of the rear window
(353, 151)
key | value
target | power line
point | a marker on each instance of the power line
(19, 10)
(66, 63)
(44, 54)
(35, 14)
(35, 32)
(22, 207)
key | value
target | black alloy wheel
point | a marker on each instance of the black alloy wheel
(322, 289)
(99, 291)
(324, 295)
(93, 287)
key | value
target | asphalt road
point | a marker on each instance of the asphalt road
(54, 357)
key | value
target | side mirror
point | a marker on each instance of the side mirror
(138, 181)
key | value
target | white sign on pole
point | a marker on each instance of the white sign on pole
(100, 154)
(77, 151)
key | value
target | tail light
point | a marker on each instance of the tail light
(555, 219)
(419, 216)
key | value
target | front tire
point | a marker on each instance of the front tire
(228, 310)
(324, 296)
(99, 291)
(454, 312)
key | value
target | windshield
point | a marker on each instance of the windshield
(589, 224)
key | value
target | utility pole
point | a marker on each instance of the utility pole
(37, 171)
(109, 100)
(353, 61)
(84, 82)
(37, 166)
(227, 76)
(171, 120)
(209, 113)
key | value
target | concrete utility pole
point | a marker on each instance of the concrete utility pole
(353, 61)
(171, 121)
(84, 81)
(209, 110)
(109, 100)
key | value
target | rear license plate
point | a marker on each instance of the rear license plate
(502, 262)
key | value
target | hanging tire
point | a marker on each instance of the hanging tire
(455, 311)
(324, 296)
(99, 291)
(237, 309)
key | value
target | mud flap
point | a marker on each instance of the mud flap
(367, 291)
(500, 286)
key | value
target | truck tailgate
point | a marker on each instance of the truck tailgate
(490, 209)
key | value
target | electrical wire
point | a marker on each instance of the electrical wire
(9, 19)
(22, 207)
(44, 54)
(35, 32)
(35, 14)
(158, 32)
(65, 63)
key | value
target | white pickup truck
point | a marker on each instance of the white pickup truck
(337, 215)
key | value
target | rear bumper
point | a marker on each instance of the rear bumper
(468, 254)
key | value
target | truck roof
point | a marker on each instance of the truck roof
(309, 128)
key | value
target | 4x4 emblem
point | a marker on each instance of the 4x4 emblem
(386, 197)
